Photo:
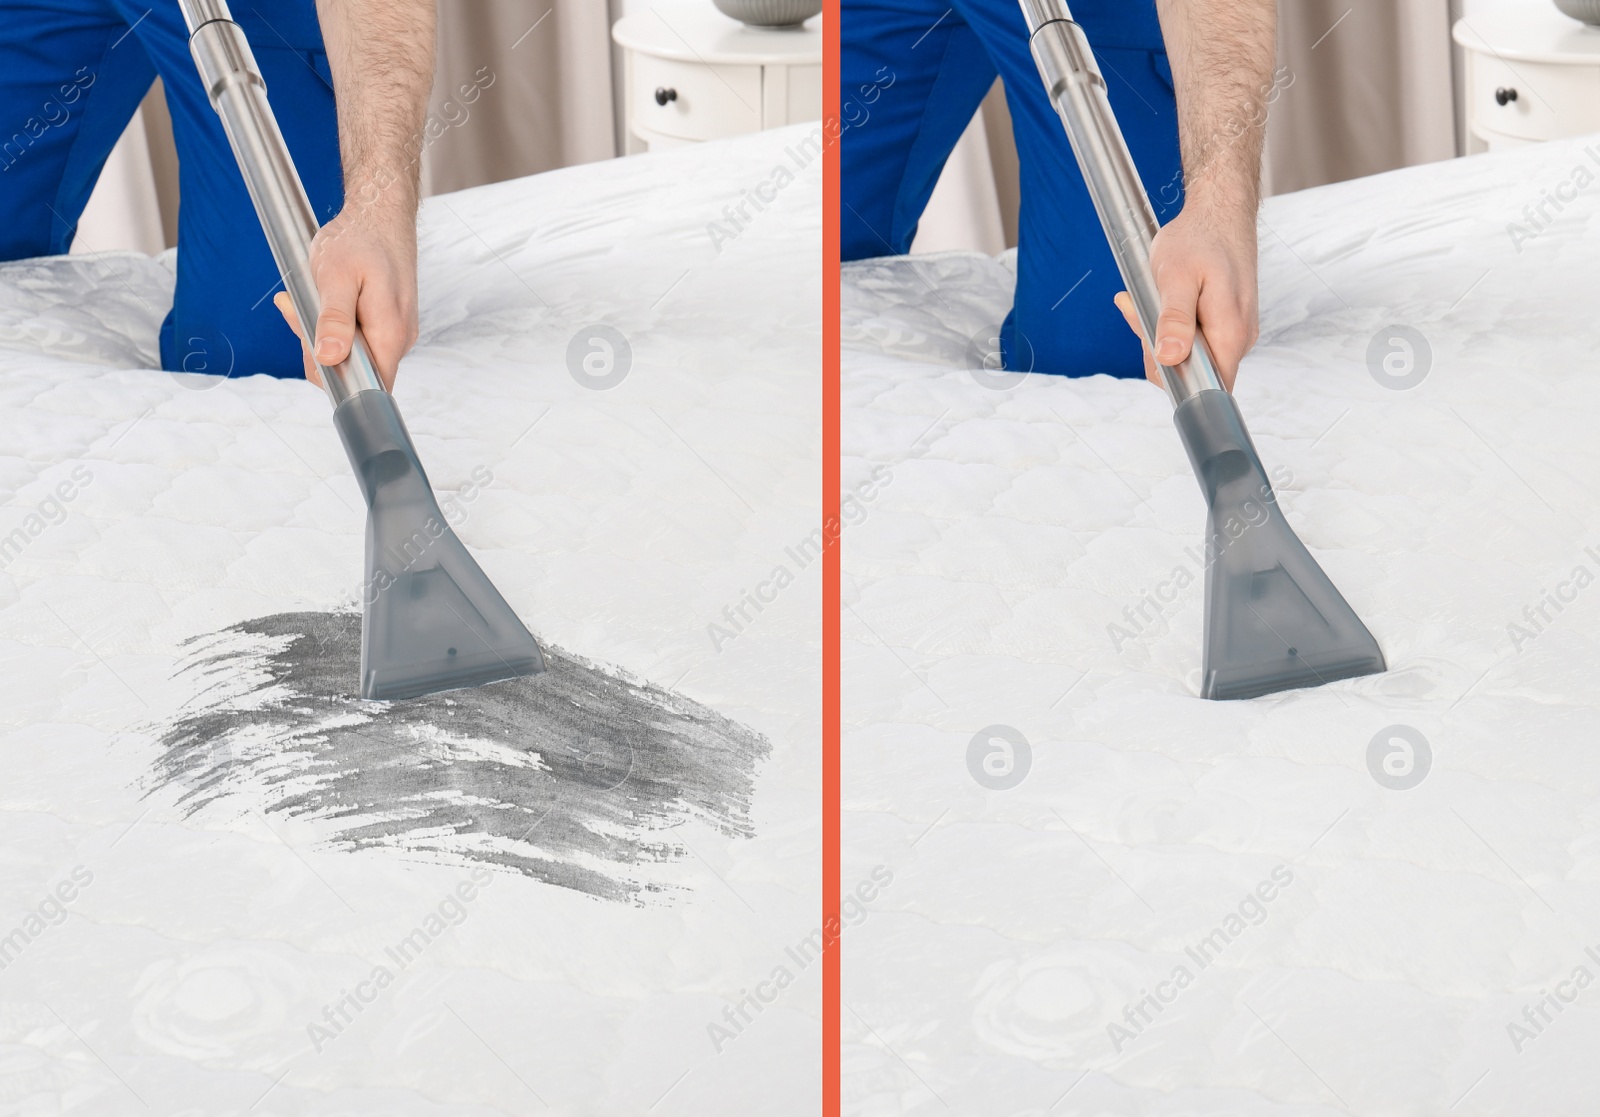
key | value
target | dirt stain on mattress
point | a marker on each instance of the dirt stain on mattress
(570, 777)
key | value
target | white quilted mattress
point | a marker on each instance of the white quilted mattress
(158, 954)
(1422, 945)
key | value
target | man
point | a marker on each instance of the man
(914, 72)
(350, 94)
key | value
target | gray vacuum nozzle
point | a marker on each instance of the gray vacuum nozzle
(1274, 621)
(433, 621)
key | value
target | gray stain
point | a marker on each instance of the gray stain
(569, 777)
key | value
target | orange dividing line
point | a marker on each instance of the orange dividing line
(831, 709)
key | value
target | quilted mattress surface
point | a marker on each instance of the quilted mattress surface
(1381, 896)
(173, 956)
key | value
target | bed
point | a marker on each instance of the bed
(191, 923)
(1111, 897)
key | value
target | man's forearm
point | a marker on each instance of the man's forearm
(1204, 259)
(364, 260)
(381, 54)
(1222, 54)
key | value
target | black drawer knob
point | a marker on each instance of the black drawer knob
(1501, 95)
(663, 95)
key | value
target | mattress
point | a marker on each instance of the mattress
(1111, 897)
(229, 887)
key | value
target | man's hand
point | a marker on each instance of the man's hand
(364, 261)
(1205, 268)
(365, 269)
(1204, 259)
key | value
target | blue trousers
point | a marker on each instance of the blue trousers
(72, 73)
(913, 74)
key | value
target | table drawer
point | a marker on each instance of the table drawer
(790, 94)
(706, 102)
(1551, 101)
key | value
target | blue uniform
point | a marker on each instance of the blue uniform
(72, 72)
(913, 74)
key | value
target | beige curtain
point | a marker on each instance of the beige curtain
(163, 159)
(1371, 90)
(540, 72)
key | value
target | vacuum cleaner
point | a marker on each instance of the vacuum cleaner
(1273, 619)
(431, 619)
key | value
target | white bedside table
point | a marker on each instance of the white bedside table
(1531, 74)
(690, 73)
